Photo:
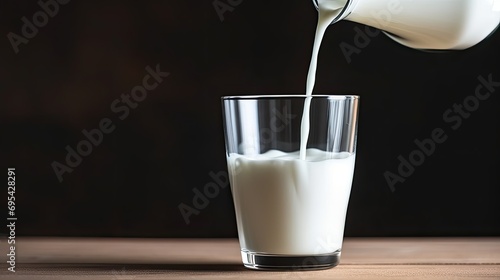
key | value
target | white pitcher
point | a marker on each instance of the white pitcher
(424, 24)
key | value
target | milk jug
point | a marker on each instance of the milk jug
(423, 24)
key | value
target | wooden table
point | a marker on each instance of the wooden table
(362, 258)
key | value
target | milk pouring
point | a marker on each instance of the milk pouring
(292, 204)
(424, 24)
(328, 11)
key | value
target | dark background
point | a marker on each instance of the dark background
(65, 78)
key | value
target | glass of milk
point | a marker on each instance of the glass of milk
(290, 204)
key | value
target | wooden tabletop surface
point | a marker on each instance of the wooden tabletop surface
(362, 258)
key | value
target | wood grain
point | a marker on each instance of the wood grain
(362, 258)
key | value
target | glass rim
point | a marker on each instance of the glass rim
(275, 96)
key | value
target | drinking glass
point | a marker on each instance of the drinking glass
(290, 209)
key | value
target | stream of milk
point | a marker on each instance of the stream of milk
(294, 203)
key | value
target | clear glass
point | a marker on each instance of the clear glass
(290, 212)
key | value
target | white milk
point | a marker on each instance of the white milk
(328, 11)
(294, 203)
(285, 205)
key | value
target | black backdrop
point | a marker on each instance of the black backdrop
(67, 76)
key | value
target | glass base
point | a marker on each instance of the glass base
(289, 262)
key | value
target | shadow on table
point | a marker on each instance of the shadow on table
(128, 269)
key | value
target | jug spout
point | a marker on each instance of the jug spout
(342, 7)
(425, 24)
